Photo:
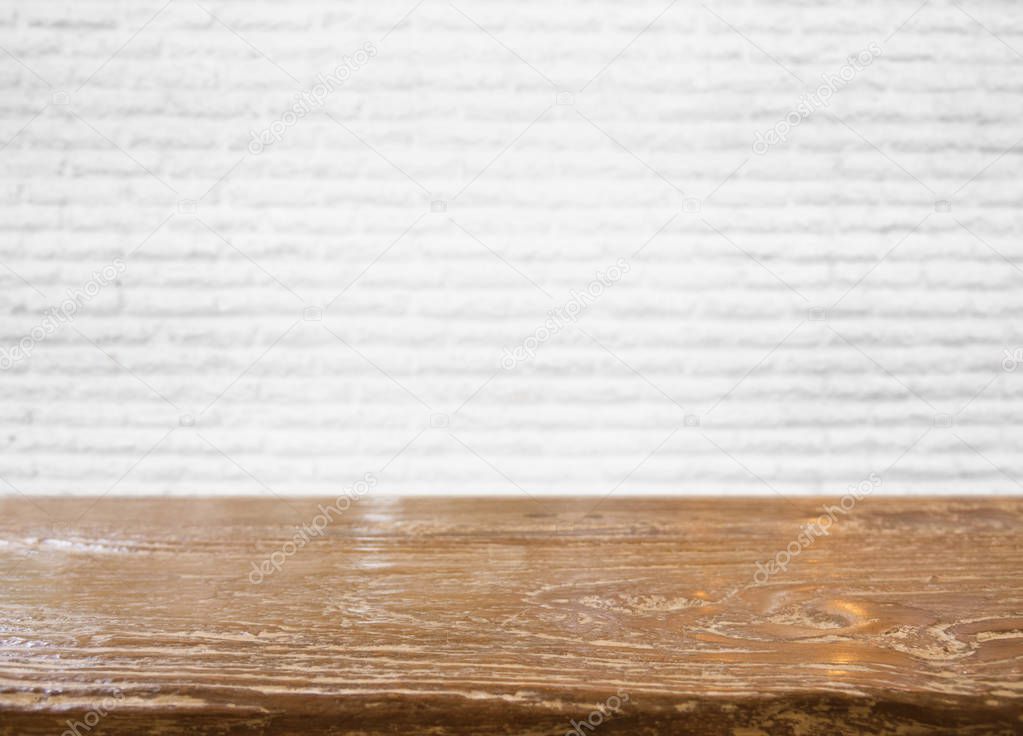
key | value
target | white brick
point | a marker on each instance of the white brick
(699, 317)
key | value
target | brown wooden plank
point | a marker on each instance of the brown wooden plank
(501, 616)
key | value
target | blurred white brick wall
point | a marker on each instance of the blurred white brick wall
(789, 322)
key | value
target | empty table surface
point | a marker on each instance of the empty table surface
(511, 616)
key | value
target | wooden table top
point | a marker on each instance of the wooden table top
(511, 616)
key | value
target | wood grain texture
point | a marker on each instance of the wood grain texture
(508, 616)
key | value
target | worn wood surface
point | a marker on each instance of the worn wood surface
(502, 616)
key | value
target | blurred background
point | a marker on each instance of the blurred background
(480, 247)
